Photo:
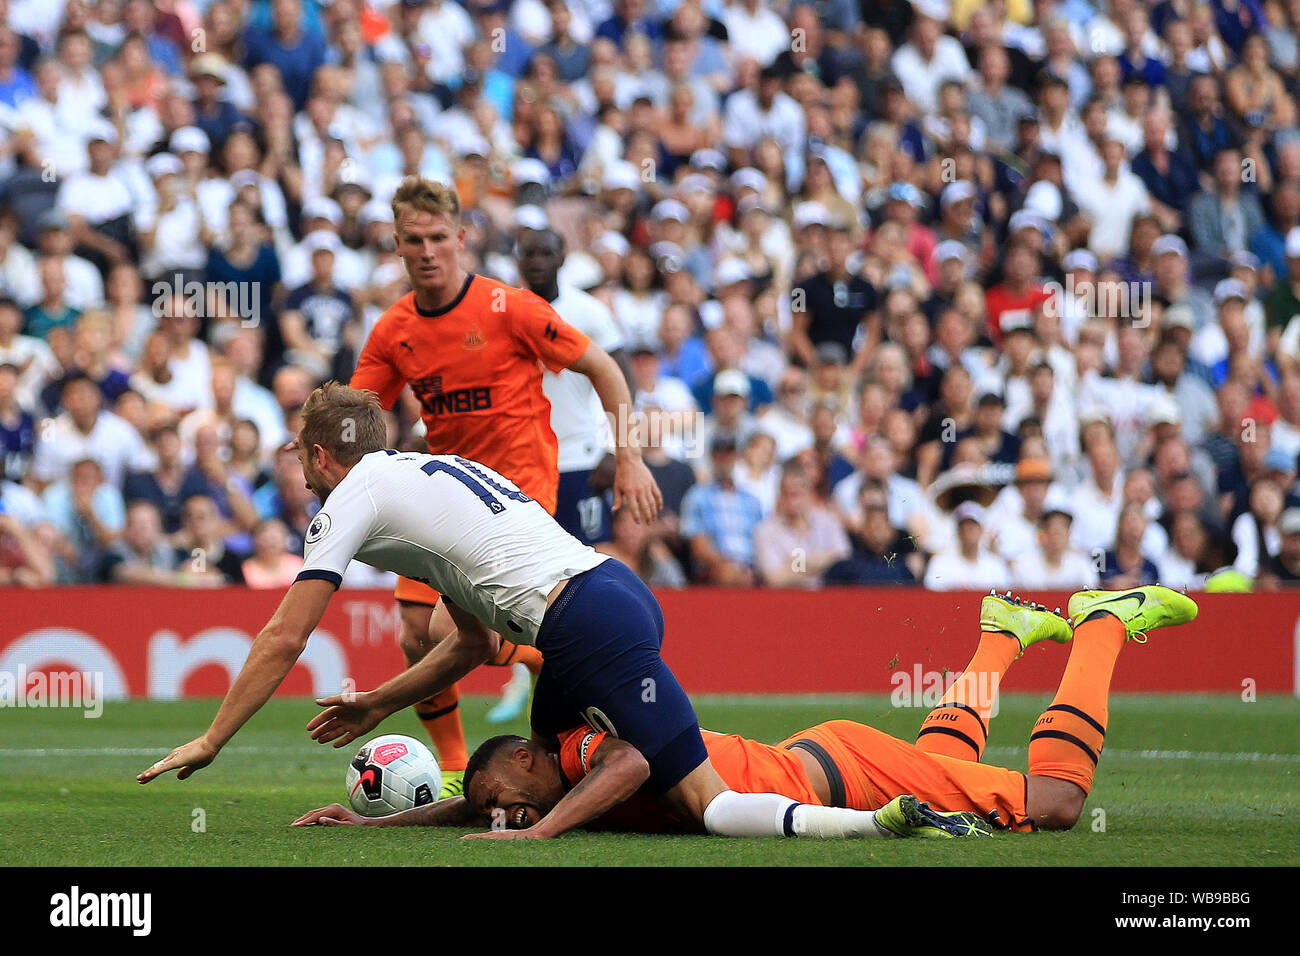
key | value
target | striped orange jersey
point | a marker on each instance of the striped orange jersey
(745, 765)
(476, 368)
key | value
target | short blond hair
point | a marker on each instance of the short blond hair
(424, 195)
(346, 422)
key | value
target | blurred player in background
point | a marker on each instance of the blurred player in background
(582, 431)
(472, 349)
(514, 783)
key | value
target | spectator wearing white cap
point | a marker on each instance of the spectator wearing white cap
(1075, 303)
(728, 416)
(1232, 301)
(1217, 345)
(610, 248)
(173, 235)
(316, 314)
(1172, 282)
(99, 203)
(192, 147)
(958, 219)
(323, 214)
(966, 564)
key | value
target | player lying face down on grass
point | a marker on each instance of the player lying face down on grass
(502, 564)
(514, 783)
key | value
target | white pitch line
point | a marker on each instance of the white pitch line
(139, 751)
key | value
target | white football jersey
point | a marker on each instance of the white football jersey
(577, 417)
(455, 524)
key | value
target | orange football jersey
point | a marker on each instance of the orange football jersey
(476, 368)
(745, 765)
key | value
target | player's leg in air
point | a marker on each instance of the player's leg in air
(1067, 739)
(959, 725)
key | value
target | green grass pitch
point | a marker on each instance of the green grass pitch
(1184, 781)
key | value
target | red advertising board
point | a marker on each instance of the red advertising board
(167, 644)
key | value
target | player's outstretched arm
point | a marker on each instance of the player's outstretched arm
(350, 716)
(618, 770)
(451, 812)
(634, 486)
(269, 661)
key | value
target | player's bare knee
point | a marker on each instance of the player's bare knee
(1054, 804)
(696, 791)
(413, 636)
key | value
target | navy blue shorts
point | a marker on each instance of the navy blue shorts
(583, 512)
(600, 642)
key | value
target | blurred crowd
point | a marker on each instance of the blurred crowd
(955, 294)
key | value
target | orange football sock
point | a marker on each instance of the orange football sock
(959, 726)
(512, 653)
(1067, 739)
(440, 715)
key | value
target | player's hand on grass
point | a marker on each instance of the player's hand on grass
(636, 490)
(185, 759)
(345, 718)
(335, 815)
(529, 834)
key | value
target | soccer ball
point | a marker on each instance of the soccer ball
(390, 774)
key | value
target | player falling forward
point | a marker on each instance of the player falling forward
(472, 351)
(517, 782)
(502, 564)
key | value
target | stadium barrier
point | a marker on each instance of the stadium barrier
(167, 644)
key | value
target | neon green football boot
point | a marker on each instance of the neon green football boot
(1141, 609)
(453, 784)
(907, 816)
(1030, 623)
